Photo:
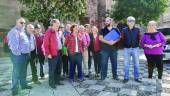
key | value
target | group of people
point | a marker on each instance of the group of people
(74, 46)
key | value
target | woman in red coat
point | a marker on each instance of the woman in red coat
(75, 46)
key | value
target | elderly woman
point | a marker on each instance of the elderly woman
(152, 43)
(75, 45)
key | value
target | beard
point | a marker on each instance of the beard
(108, 25)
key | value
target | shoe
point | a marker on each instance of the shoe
(137, 80)
(87, 76)
(61, 78)
(41, 74)
(52, 86)
(37, 82)
(71, 80)
(116, 78)
(27, 87)
(81, 80)
(59, 83)
(125, 80)
(14, 93)
(95, 75)
(98, 75)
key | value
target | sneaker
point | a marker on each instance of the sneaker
(137, 80)
(14, 93)
(125, 80)
(27, 87)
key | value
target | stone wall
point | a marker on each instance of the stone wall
(9, 11)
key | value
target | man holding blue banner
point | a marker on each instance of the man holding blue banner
(109, 36)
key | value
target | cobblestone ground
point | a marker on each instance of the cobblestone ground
(92, 86)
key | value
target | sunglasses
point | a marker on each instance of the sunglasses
(22, 22)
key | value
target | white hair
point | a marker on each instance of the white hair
(130, 18)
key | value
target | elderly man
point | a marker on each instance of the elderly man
(33, 53)
(20, 48)
(108, 50)
(131, 38)
(52, 46)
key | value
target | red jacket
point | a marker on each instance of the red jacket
(50, 43)
(71, 44)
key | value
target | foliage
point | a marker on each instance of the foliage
(142, 10)
(43, 10)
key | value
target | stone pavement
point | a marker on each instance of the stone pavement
(92, 86)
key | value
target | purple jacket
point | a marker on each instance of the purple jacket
(152, 39)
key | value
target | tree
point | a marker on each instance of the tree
(142, 10)
(43, 10)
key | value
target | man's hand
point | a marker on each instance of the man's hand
(49, 56)
(112, 42)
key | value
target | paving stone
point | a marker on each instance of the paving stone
(90, 82)
(97, 87)
(148, 88)
(131, 86)
(91, 86)
(164, 85)
(165, 94)
(127, 92)
(144, 93)
(107, 94)
(117, 85)
(83, 85)
(166, 90)
(90, 92)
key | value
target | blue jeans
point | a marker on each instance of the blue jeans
(134, 53)
(19, 70)
(76, 60)
(105, 54)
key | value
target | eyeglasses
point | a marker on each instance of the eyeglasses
(131, 20)
(22, 22)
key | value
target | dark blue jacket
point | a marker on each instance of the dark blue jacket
(131, 37)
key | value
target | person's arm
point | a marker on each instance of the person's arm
(13, 41)
(163, 40)
(107, 42)
(47, 44)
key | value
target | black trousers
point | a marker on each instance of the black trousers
(54, 70)
(89, 60)
(97, 59)
(155, 60)
(32, 62)
(41, 59)
(65, 64)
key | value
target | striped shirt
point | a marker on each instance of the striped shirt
(18, 41)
